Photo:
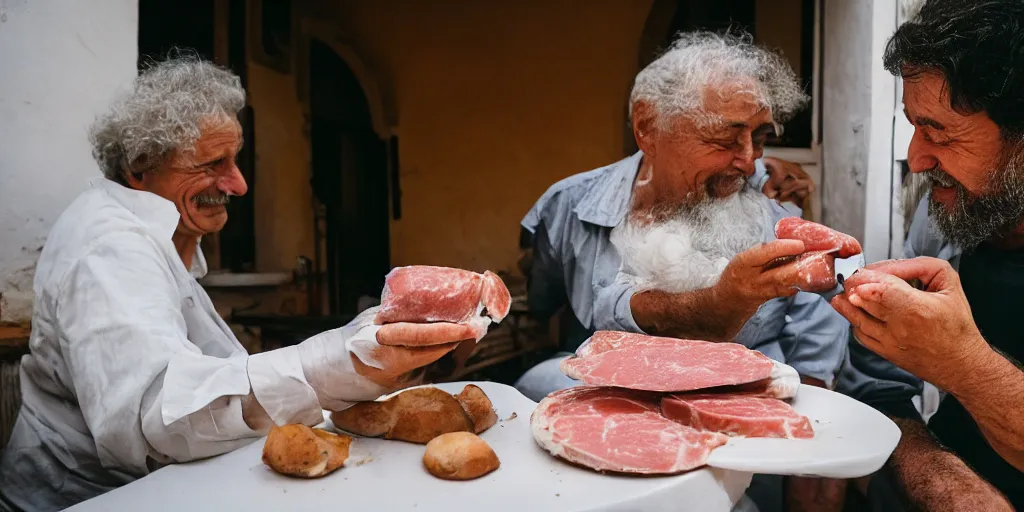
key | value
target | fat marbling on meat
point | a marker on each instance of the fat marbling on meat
(817, 265)
(738, 414)
(618, 430)
(651, 363)
(425, 294)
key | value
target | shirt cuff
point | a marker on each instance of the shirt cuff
(280, 387)
(624, 311)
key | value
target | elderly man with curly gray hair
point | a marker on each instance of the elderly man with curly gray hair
(130, 366)
(676, 239)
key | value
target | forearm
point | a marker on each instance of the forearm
(694, 315)
(935, 479)
(991, 392)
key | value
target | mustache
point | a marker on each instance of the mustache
(937, 176)
(211, 199)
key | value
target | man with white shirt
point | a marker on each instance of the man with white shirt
(130, 366)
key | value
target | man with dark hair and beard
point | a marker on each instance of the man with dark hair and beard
(961, 62)
(676, 239)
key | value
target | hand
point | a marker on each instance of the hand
(362, 361)
(787, 181)
(759, 274)
(929, 333)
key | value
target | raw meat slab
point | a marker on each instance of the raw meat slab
(650, 363)
(817, 265)
(421, 293)
(817, 237)
(737, 414)
(617, 430)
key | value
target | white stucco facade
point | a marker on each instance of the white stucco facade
(60, 64)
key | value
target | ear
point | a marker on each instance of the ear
(133, 180)
(643, 127)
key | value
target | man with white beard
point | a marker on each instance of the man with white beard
(677, 240)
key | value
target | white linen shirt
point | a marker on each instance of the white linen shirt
(130, 367)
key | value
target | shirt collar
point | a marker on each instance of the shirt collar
(607, 200)
(159, 215)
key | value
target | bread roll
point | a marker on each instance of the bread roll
(459, 456)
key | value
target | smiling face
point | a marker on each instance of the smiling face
(977, 182)
(200, 182)
(694, 161)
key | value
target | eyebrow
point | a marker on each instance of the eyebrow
(924, 121)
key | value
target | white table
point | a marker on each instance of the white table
(851, 440)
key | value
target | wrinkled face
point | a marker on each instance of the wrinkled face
(695, 161)
(977, 183)
(199, 183)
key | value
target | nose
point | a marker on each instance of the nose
(919, 157)
(743, 159)
(232, 183)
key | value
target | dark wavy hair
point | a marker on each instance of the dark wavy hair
(978, 46)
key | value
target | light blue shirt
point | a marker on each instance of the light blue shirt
(575, 263)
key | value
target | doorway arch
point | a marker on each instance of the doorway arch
(349, 177)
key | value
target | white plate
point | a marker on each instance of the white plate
(851, 440)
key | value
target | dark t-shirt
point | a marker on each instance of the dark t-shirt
(993, 281)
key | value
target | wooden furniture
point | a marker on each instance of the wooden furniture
(13, 345)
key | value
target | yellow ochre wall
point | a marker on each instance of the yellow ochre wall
(496, 101)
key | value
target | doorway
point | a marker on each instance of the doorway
(350, 183)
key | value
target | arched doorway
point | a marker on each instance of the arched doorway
(349, 181)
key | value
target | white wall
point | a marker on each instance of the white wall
(60, 63)
(858, 105)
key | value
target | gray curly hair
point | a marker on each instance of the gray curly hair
(162, 114)
(673, 84)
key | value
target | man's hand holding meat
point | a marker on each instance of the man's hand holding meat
(348, 364)
(929, 333)
(748, 281)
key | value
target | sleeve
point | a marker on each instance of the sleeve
(869, 378)
(917, 235)
(612, 309)
(145, 391)
(760, 177)
(814, 338)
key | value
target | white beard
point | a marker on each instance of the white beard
(689, 250)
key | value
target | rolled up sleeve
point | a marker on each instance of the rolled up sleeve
(144, 389)
(612, 309)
